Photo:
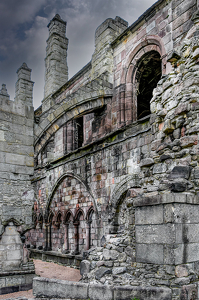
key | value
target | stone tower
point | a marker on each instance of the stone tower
(56, 69)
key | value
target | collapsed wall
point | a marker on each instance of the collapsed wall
(16, 198)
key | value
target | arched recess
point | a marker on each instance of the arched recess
(131, 74)
(120, 193)
(34, 220)
(49, 222)
(58, 219)
(128, 182)
(89, 227)
(40, 220)
(75, 194)
(56, 185)
(69, 228)
(80, 231)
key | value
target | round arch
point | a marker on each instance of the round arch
(121, 188)
(129, 103)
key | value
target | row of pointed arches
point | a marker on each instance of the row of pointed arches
(70, 232)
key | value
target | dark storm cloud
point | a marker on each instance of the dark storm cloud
(23, 33)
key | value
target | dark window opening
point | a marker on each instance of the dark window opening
(79, 133)
(148, 74)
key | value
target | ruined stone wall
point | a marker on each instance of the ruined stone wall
(17, 194)
(129, 190)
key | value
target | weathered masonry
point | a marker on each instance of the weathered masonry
(17, 194)
(116, 158)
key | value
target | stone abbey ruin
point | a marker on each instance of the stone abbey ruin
(105, 173)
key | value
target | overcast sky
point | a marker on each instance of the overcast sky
(23, 33)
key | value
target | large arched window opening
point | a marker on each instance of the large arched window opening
(148, 73)
(144, 67)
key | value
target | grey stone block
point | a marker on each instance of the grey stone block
(99, 292)
(156, 234)
(54, 288)
(142, 293)
(149, 215)
(147, 253)
(186, 213)
(187, 233)
(180, 172)
(186, 253)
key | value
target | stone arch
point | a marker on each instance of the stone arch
(89, 213)
(67, 216)
(50, 217)
(121, 188)
(78, 215)
(59, 181)
(128, 98)
(145, 77)
(58, 219)
(119, 194)
(46, 129)
(74, 193)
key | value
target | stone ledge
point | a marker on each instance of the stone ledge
(65, 259)
(54, 288)
(156, 199)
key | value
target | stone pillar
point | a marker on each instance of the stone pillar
(70, 134)
(56, 69)
(66, 237)
(49, 238)
(46, 246)
(88, 234)
(122, 107)
(130, 104)
(24, 86)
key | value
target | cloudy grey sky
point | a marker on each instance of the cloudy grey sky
(23, 33)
